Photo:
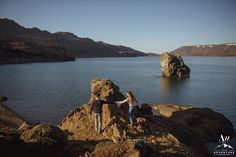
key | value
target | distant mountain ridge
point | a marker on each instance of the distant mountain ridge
(228, 49)
(19, 44)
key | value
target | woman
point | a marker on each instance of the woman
(132, 101)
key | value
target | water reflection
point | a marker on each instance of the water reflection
(173, 89)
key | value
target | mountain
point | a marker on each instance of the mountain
(20, 45)
(228, 49)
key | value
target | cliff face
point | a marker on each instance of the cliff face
(175, 131)
(19, 45)
(207, 50)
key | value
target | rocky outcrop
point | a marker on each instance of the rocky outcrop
(107, 90)
(8, 118)
(173, 66)
(43, 134)
(118, 136)
(19, 138)
(199, 123)
(40, 140)
(177, 131)
(80, 123)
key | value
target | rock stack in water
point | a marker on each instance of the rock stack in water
(172, 65)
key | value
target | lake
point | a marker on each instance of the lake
(46, 92)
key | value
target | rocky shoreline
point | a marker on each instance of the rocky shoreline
(160, 130)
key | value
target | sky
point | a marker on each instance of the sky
(146, 25)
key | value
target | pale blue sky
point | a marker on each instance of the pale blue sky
(146, 25)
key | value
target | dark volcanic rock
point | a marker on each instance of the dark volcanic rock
(173, 66)
(195, 126)
(43, 134)
(202, 123)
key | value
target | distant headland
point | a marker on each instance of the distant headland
(24, 45)
(228, 49)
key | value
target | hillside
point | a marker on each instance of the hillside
(19, 45)
(207, 50)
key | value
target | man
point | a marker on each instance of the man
(97, 111)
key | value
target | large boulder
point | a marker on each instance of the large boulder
(106, 88)
(172, 65)
(43, 134)
(199, 123)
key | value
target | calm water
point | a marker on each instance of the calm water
(46, 92)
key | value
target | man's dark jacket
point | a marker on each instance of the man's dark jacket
(97, 106)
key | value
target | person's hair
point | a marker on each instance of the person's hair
(98, 95)
(131, 97)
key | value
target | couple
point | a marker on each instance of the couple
(97, 108)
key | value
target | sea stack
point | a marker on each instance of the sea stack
(172, 65)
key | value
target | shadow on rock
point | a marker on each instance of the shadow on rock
(195, 126)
